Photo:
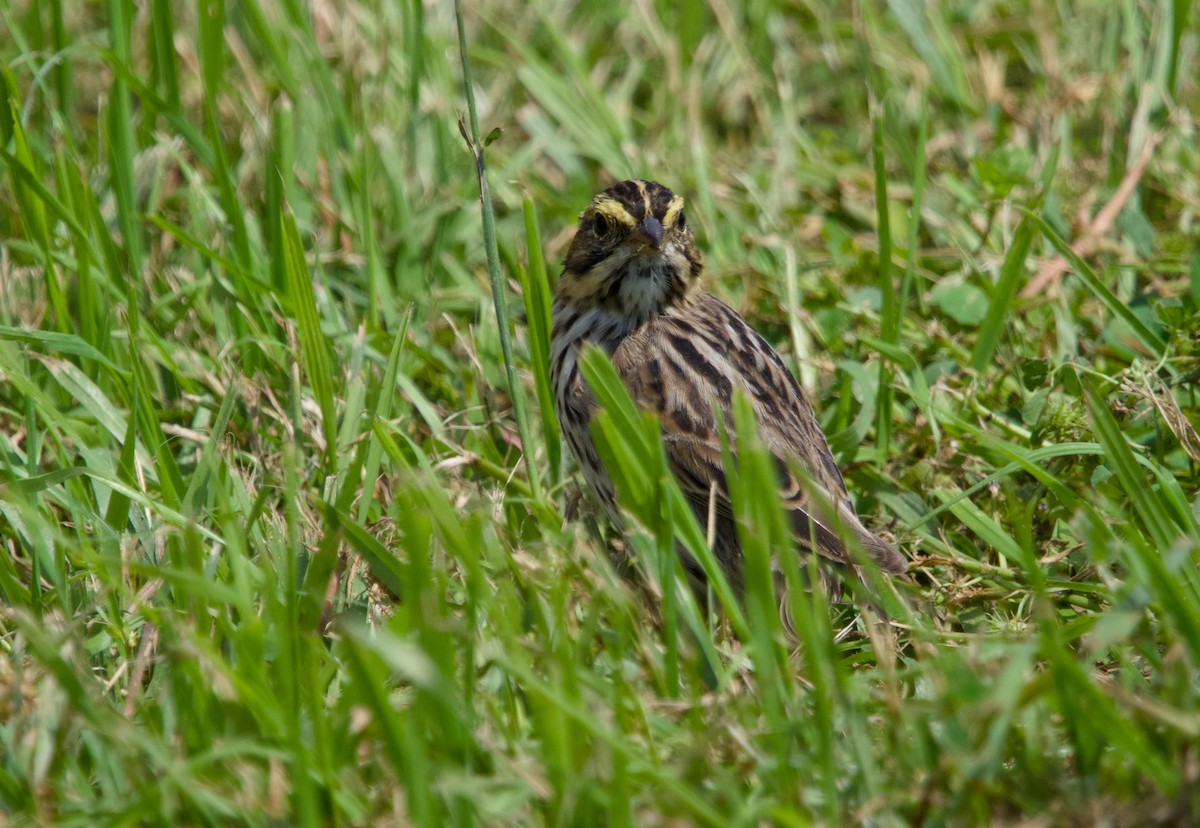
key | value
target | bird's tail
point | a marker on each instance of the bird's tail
(883, 553)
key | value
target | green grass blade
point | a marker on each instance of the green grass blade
(499, 301)
(889, 311)
(1150, 508)
(627, 440)
(537, 295)
(314, 354)
(1153, 342)
(122, 143)
(1000, 303)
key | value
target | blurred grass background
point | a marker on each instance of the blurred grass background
(273, 553)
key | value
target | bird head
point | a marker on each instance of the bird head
(633, 252)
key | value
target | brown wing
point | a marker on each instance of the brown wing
(683, 363)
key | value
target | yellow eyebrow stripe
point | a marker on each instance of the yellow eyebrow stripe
(614, 210)
(673, 210)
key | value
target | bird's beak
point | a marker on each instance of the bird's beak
(649, 231)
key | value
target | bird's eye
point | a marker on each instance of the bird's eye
(681, 222)
(600, 225)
